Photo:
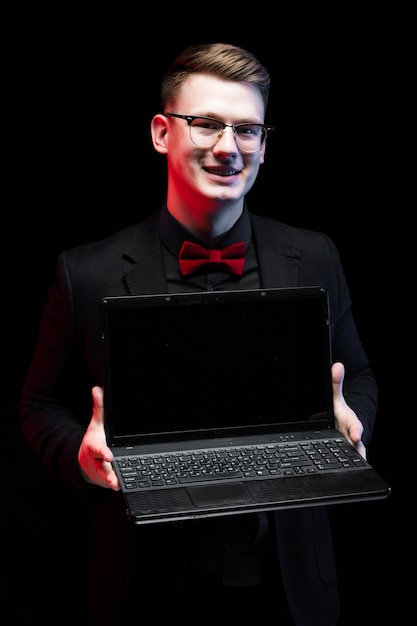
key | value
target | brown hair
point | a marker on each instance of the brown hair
(223, 60)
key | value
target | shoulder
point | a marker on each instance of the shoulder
(279, 235)
(127, 242)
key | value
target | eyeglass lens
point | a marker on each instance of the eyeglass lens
(205, 133)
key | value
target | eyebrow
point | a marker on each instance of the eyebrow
(220, 119)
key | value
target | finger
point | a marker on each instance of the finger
(98, 406)
(338, 374)
(359, 447)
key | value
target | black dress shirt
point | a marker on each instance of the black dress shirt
(173, 234)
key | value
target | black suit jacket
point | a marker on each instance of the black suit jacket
(55, 404)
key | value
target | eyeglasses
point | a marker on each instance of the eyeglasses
(205, 132)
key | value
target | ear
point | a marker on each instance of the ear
(159, 133)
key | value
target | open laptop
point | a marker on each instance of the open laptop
(220, 403)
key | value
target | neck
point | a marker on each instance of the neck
(207, 223)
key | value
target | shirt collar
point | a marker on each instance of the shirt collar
(173, 234)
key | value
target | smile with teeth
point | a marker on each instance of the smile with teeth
(221, 172)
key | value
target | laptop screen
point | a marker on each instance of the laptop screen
(211, 363)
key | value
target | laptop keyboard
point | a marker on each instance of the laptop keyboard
(240, 462)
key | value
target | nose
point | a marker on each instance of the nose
(226, 141)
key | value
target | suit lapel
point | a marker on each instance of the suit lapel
(279, 261)
(146, 271)
(147, 276)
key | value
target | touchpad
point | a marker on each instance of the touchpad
(218, 495)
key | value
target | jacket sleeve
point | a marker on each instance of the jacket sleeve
(360, 388)
(55, 403)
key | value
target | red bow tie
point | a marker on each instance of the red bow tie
(193, 256)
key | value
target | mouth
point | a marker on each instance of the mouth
(217, 171)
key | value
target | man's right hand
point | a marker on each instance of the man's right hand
(94, 455)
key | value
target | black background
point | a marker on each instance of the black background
(80, 82)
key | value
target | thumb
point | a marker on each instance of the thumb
(96, 426)
(338, 376)
(97, 418)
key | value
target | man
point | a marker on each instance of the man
(213, 133)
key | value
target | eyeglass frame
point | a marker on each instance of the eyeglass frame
(190, 118)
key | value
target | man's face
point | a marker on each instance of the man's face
(222, 173)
